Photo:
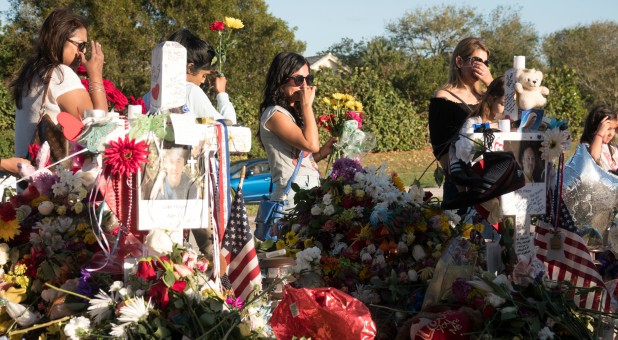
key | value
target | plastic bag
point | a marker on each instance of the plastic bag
(321, 313)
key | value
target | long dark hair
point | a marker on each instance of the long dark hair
(595, 116)
(281, 68)
(495, 90)
(199, 52)
(48, 50)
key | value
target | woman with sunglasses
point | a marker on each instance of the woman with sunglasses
(458, 99)
(288, 125)
(47, 82)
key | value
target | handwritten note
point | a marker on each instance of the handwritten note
(168, 76)
(523, 237)
(185, 131)
(510, 105)
(528, 200)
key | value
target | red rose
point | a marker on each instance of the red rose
(146, 271)
(217, 26)
(7, 212)
(179, 286)
(159, 292)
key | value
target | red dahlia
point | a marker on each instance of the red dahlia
(125, 156)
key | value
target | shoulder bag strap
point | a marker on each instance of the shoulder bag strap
(300, 160)
(461, 100)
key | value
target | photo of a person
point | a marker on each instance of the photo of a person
(172, 181)
(530, 161)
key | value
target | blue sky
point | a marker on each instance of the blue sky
(321, 23)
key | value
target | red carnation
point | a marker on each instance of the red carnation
(125, 156)
(217, 26)
(324, 120)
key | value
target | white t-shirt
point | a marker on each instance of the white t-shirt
(199, 104)
(63, 80)
(283, 157)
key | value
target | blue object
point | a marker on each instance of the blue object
(257, 179)
(530, 120)
(479, 126)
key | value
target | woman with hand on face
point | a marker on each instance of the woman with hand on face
(47, 82)
(458, 99)
(288, 125)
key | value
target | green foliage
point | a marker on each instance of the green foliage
(394, 121)
(565, 102)
(592, 51)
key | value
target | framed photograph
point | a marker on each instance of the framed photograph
(531, 199)
(173, 187)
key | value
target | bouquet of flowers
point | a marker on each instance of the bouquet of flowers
(225, 40)
(343, 107)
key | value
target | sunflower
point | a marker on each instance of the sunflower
(125, 156)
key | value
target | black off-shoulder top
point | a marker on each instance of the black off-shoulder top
(445, 120)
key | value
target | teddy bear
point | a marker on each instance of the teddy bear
(530, 93)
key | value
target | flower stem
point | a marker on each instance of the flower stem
(37, 326)
(67, 292)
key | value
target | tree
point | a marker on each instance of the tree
(592, 51)
(129, 37)
(565, 101)
(433, 31)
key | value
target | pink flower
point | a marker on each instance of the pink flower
(237, 303)
(189, 259)
(356, 116)
(202, 265)
(329, 226)
(217, 26)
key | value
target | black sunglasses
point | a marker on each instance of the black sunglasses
(298, 79)
(81, 46)
(473, 59)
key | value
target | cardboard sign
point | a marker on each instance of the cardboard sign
(168, 76)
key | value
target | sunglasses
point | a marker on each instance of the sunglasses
(474, 59)
(298, 79)
(81, 46)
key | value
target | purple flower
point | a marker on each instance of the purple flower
(461, 289)
(236, 303)
(346, 168)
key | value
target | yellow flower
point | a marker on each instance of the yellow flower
(20, 269)
(347, 189)
(466, 230)
(280, 244)
(338, 96)
(81, 226)
(479, 227)
(35, 202)
(9, 229)
(291, 238)
(398, 182)
(348, 97)
(233, 23)
(89, 237)
(335, 107)
(359, 106)
(78, 207)
(350, 104)
(61, 210)
(308, 243)
(326, 101)
(360, 193)
(422, 226)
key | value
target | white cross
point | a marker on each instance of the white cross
(192, 162)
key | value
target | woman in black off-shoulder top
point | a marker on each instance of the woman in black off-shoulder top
(456, 100)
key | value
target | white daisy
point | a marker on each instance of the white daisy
(101, 306)
(77, 327)
(134, 310)
(119, 330)
(116, 286)
(556, 142)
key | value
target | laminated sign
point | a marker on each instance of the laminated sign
(168, 76)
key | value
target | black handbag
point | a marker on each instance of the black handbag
(269, 212)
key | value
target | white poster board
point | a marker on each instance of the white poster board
(168, 76)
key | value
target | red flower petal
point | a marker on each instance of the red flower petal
(125, 156)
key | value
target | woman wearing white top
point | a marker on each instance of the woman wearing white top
(48, 76)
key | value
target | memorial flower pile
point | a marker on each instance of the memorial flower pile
(367, 235)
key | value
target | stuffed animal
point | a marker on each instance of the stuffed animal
(530, 93)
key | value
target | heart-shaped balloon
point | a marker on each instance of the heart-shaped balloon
(71, 125)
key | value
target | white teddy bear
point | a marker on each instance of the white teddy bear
(530, 93)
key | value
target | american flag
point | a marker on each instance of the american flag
(576, 266)
(239, 251)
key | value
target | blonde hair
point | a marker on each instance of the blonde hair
(464, 49)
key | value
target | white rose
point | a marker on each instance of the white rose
(412, 275)
(316, 210)
(159, 241)
(45, 208)
(418, 253)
